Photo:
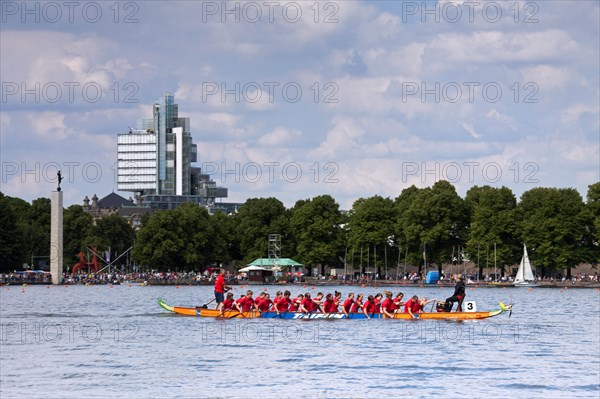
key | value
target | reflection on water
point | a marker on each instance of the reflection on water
(99, 341)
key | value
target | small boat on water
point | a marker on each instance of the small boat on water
(525, 277)
(232, 314)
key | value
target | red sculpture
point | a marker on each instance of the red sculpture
(82, 264)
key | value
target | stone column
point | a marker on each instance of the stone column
(56, 237)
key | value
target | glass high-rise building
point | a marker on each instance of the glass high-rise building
(154, 161)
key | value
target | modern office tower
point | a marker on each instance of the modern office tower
(154, 161)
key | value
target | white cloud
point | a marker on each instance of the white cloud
(471, 130)
(280, 136)
(501, 47)
(574, 112)
(546, 77)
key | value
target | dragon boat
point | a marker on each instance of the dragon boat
(203, 311)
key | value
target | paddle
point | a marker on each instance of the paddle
(205, 306)
(280, 315)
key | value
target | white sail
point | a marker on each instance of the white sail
(525, 272)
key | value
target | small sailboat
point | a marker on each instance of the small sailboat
(525, 277)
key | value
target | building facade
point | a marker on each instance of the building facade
(154, 162)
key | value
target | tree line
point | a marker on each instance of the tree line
(433, 225)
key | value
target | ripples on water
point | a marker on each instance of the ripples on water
(102, 342)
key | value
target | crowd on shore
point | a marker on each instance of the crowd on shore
(206, 277)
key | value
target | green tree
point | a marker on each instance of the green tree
(77, 226)
(175, 240)
(225, 245)
(13, 247)
(38, 234)
(115, 233)
(258, 218)
(553, 228)
(112, 233)
(435, 221)
(370, 228)
(593, 204)
(591, 216)
(316, 225)
(492, 215)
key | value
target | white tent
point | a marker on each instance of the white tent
(252, 268)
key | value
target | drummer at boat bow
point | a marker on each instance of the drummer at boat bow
(458, 296)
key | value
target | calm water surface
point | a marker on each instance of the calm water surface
(98, 341)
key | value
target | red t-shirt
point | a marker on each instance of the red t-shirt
(377, 303)
(371, 307)
(295, 305)
(283, 304)
(330, 307)
(412, 305)
(246, 303)
(264, 304)
(228, 304)
(308, 304)
(356, 306)
(220, 284)
(389, 305)
(348, 305)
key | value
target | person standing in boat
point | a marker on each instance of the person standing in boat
(220, 289)
(458, 296)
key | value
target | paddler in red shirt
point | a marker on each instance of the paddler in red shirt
(227, 303)
(398, 300)
(413, 307)
(278, 296)
(423, 301)
(306, 306)
(283, 304)
(329, 305)
(245, 303)
(388, 307)
(357, 306)
(264, 303)
(377, 300)
(318, 302)
(220, 289)
(295, 305)
(259, 298)
(348, 304)
(370, 307)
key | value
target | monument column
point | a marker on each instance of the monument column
(56, 236)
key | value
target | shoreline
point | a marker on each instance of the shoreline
(318, 283)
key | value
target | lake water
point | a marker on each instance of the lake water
(102, 341)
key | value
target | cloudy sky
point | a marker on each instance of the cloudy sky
(298, 99)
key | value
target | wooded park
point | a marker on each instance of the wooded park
(432, 224)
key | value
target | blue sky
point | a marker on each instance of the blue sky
(298, 99)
